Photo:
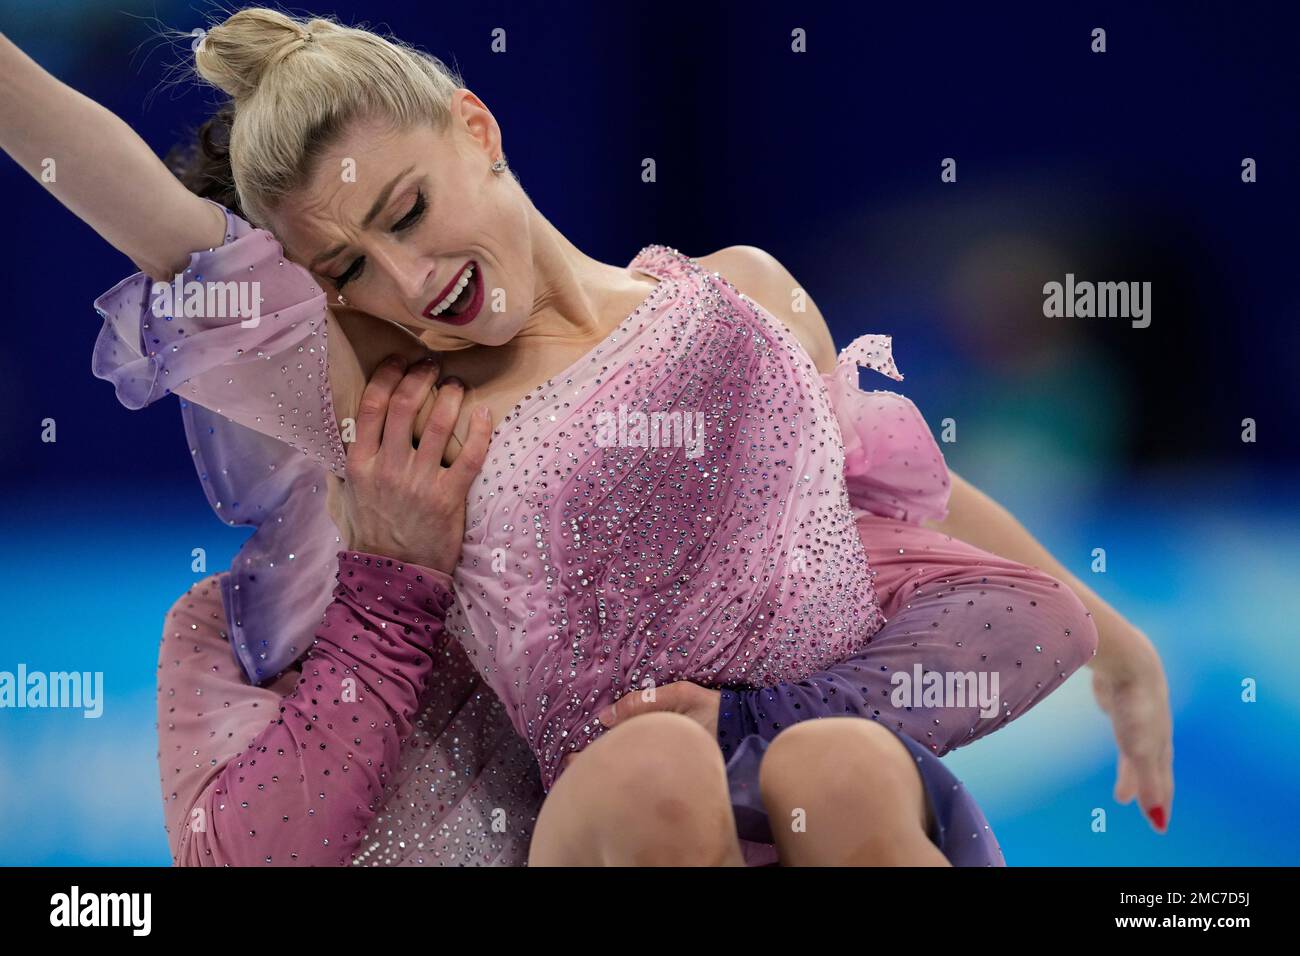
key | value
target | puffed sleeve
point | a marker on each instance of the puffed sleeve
(241, 336)
(241, 331)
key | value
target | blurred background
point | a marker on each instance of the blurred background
(1122, 166)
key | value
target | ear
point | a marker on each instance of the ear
(478, 120)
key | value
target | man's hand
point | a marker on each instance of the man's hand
(398, 500)
(691, 700)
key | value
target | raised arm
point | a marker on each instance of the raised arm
(99, 168)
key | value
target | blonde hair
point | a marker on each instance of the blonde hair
(295, 84)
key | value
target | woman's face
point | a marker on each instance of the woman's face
(390, 219)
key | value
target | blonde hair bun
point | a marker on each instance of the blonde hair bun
(296, 83)
(235, 55)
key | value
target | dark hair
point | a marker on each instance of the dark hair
(203, 165)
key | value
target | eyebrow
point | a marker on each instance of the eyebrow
(380, 202)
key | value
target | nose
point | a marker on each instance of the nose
(409, 272)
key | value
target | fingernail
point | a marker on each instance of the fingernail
(484, 413)
(451, 380)
(604, 717)
(1157, 815)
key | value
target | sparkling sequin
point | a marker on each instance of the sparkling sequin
(639, 565)
(587, 571)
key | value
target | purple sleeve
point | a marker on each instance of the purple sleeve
(241, 336)
(302, 788)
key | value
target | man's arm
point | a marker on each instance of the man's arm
(292, 774)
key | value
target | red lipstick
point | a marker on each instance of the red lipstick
(468, 308)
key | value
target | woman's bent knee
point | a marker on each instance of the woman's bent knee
(853, 755)
(847, 779)
(651, 791)
(662, 750)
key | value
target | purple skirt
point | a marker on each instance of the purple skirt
(959, 830)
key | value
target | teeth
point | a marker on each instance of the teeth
(442, 306)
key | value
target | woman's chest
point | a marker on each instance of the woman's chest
(501, 377)
(502, 381)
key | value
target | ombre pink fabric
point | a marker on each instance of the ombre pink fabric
(256, 407)
(589, 570)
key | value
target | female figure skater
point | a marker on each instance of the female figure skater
(589, 569)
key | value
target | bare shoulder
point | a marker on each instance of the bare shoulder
(762, 277)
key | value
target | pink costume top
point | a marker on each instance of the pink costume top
(711, 540)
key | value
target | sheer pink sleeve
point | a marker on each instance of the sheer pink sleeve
(291, 773)
(241, 331)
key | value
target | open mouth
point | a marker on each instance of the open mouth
(461, 300)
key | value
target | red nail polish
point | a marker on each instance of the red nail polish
(1157, 815)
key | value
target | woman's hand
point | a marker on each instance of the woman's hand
(1130, 687)
(398, 500)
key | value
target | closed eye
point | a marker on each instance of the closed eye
(415, 215)
(349, 274)
(412, 217)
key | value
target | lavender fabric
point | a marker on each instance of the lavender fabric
(254, 401)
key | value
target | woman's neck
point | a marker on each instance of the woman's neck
(571, 289)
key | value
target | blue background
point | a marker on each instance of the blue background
(1123, 166)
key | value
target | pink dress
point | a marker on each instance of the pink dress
(726, 555)
(682, 503)
(715, 545)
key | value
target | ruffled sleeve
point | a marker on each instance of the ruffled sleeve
(241, 332)
(892, 465)
(241, 336)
